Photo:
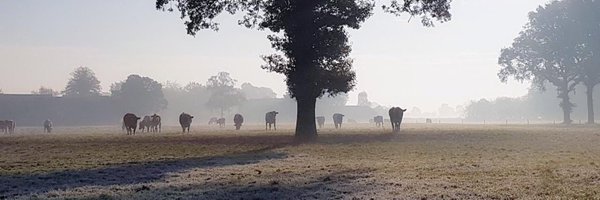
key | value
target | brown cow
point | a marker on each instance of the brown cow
(271, 118)
(321, 121)
(145, 124)
(396, 115)
(378, 121)
(155, 123)
(47, 126)
(238, 119)
(221, 122)
(130, 122)
(185, 120)
(337, 120)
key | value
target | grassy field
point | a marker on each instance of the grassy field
(422, 162)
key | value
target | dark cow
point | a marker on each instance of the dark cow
(221, 122)
(238, 120)
(428, 121)
(396, 114)
(378, 121)
(3, 126)
(213, 120)
(130, 122)
(145, 124)
(337, 120)
(155, 123)
(271, 118)
(185, 120)
(321, 121)
(47, 126)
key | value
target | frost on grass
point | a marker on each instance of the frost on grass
(424, 161)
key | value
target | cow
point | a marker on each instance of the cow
(213, 120)
(47, 126)
(238, 119)
(221, 122)
(10, 126)
(337, 120)
(145, 123)
(428, 121)
(321, 121)
(130, 122)
(185, 120)
(396, 114)
(3, 126)
(155, 123)
(271, 118)
(378, 121)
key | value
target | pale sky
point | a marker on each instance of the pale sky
(397, 62)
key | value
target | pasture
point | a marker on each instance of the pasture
(424, 161)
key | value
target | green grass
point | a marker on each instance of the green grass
(423, 161)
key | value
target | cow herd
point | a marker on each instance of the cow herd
(153, 123)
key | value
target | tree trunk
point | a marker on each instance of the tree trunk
(306, 128)
(590, 102)
(566, 106)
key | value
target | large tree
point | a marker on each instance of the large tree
(83, 83)
(582, 30)
(223, 95)
(544, 53)
(311, 36)
(141, 95)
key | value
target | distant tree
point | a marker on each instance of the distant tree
(83, 83)
(311, 36)
(446, 111)
(363, 99)
(139, 94)
(338, 100)
(45, 91)
(416, 112)
(253, 92)
(542, 53)
(224, 95)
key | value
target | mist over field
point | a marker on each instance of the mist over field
(300, 99)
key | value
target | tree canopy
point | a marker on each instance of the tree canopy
(311, 38)
(139, 94)
(83, 82)
(223, 95)
(555, 47)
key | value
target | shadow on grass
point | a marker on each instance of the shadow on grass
(131, 173)
(146, 172)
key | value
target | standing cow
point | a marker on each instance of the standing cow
(221, 122)
(337, 120)
(8, 126)
(145, 123)
(238, 120)
(396, 114)
(155, 123)
(321, 121)
(271, 118)
(378, 121)
(130, 122)
(47, 126)
(185, 120)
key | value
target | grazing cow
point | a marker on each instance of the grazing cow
(47, 126)
(337, 120)
(213, 120)
(221, 122)
(378, 121)
(428, 121)
(130, 122)
(155, 123)
(145, 124)
(238, 120)
(10, 126)
(271, 118)
(321, 121)
(185, 120)
(396, 114)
